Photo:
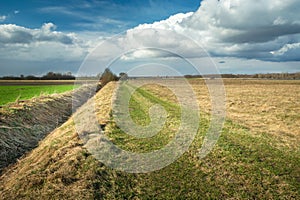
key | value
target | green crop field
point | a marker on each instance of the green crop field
(12, 93)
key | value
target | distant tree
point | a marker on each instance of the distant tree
(10, 78)
(58, 76)
(107, 76)
(188, 76)
(31, 77)
(98, 76)
(123, 76)
(68, 76)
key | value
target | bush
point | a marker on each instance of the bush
(108, 76)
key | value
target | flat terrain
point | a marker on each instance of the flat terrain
(265, 107)
(256, 157)
(37, 82)
(14, 90)
(22, 92)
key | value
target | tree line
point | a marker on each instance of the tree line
(108, 76)
(48, 76)
(279, 76)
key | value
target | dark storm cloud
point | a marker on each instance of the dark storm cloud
(263, 34)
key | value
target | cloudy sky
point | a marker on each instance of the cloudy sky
(240, 36)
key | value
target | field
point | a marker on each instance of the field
(11, 91)
(256, 157)
(25, 123)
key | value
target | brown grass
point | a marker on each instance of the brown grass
(59, 167)
(264, 106)
(242, 165)
(23, 124)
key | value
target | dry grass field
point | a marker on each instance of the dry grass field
(269, 107)
(264, 106)
(256, 157)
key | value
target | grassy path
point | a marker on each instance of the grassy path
(240, 165)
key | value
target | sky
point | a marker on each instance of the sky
(84, 37)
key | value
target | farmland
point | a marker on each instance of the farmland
(13, 93)
(256, 157)
(22, 90)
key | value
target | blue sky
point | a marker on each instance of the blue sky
(239, 36)
(111, 16)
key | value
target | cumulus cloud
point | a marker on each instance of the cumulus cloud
(12, 34)
(247, 29)
(44, 43)
(158, 40)
(146, 53)
(170, 23)
(265, 30)
(2, 18)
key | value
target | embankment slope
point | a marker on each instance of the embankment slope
(25, 123)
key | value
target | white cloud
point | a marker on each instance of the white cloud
(260, 30)
(11, 34)
(146, 54)
(286, 48)
(250, 29)
(42, 44)
(171, 23)
(288, 52)
(2, 18)
(246, 29)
